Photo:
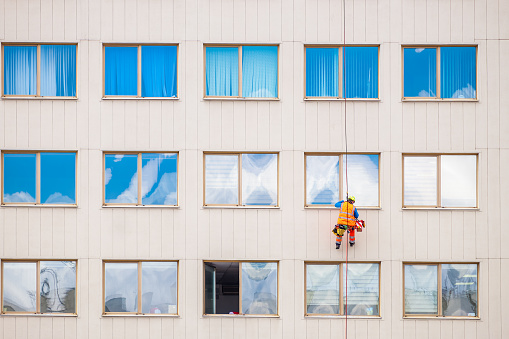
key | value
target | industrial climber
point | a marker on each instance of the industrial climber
(346, 220)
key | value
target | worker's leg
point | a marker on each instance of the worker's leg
(352, 236)
(339, 238)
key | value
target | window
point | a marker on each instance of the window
(439, 72)
(326, 286)
(440, 180)
(158, 185)
(458, 283)
(246, 179)
(141, 71)
(358, 78)
(36, 178)
(325, 185)
(39, 70)
(241, 71)
(154, 281)
(241, 288)
(56, 292)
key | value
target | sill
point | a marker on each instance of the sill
(331, 207)
(426, 317)
(239, 207)
(324, 316)
(19, 314)
(417, 208)
(140, 206)
(17, 97)
(438, 100)
(130, 315)
(139, 98)
(239, 99)
(342, 99)
(39, 205)
(241, 316)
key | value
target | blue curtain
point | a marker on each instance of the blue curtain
(420, 72)
(158, 71)
(20, 70)
(121, 71)
(360, 72)
(259, 71)
(322, 72)
(457, 72)
(222, 71)
(58, 70)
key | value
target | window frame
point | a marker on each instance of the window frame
(38, 92)
(139, 72)
(140, 179)
(240, 289)
(341, 286)
(38, 179)
(438, 77)
(239, 178)
(239, 97)
(341, 194)
(340, 48)
(38, 286)
(439, 314)
(139, 300)
(439, 190)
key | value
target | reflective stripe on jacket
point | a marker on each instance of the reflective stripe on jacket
(346, 214)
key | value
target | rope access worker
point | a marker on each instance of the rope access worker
(346, 220)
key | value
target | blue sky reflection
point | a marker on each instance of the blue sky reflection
(58, 178)
(121, 178)
(19, 178)
(159, 178)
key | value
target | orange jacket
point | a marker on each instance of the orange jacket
(347, 213)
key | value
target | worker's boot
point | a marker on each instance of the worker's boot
(352, 243)
(337, 246)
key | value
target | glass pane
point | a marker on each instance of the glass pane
(322, 72)
(20, 70)
(362, 178)
(420, 181)
(58, 287)
(421, 288)
(19, 177)
(121, 70)
(121, 287)
(259, 288)
(458, 72)
(259, 71)
(222, 71)
(159, 287)
(210, 289)
(259, 179)
(221, 179)
(360, 72)
(58, 70)
(159, 178)
(458, 180)
(121, 178)
(322, 289)
(158, 71)
(19, 287)
(322, 180)
(459, 290)
(58, 178)
(363, 289)
(420, 72)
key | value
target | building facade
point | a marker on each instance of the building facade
(200, 238)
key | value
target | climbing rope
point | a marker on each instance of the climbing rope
(346, 173)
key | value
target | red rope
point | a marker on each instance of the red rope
(346, 178)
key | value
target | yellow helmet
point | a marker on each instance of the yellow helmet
(351, 197)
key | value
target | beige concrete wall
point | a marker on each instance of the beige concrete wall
(290, 234)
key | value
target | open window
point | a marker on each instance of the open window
(241, 288)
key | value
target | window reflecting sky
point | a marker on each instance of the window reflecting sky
(259, 179)
(159, 178)
(421, 287)
(458, 180)
(58, 286)
(121, 287)
(159, 287)
(221, 179)
(322, 289)
(420, 181)
(121, 178)
(259, 288)
(19, 286)
(58, 178)
(19, 177)
(322, 179)
(362, 178)
(420, 72)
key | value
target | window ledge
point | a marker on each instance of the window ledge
(240, 99)
(137, 98)
(39, 315)
(343, 99)
(438, 100)
(241, 316)
(140, 206)
(475, 209)
(375, 317)
(39, 205)
(441, 318)
(14, 97)
(129, 315)
(242, 207)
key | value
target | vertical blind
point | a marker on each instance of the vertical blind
(158, 71)
(322, 72)
(458, 72)
(121, 70)
(20, 70)
(58, 70)
(222, 71)
(259, 71)
(360, 72)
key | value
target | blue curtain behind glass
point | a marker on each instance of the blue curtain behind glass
(259, 71)
(360, 72)
(20, 70)
(457, 72)
(121, 71)
(420, 72)
(58, 70)
(222, 71)
(158, 71)
(322, 72)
